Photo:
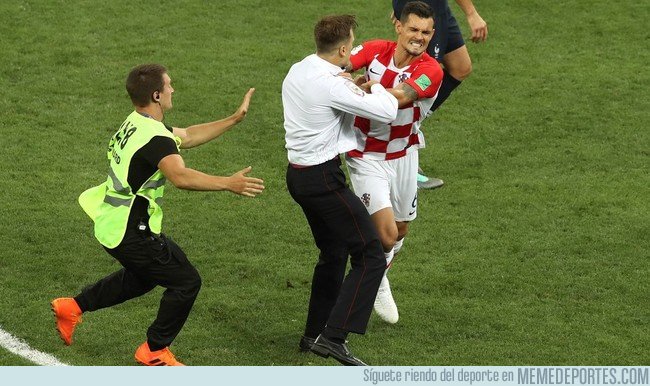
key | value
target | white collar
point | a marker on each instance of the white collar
(331, 68)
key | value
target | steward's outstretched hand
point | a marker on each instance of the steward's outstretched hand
(240, 114)
(246, 186)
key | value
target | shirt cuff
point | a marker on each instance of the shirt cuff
(377, 88)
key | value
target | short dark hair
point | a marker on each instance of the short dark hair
(417, 8)
(143, 81)
(331, 31)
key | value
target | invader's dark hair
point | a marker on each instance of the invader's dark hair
(143, 81)
(332, 31)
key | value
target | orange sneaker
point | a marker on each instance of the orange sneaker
(68, 314)
(162, 357)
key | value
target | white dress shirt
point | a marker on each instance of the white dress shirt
(319, 108)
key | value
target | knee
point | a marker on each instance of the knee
(194, 284)
(376, 254)
(461, 71)
(388, 237)
(198, 281)
(402, 233)
(332, 254)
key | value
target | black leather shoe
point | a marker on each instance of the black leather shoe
(306, 343)
(339, 351)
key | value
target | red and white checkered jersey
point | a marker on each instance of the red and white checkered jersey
(380, 141)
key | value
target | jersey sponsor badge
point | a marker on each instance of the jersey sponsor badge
(365, 198)
(354, 88)
(423, 81)
(356, 49)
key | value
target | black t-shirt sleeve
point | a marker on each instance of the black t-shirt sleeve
(157, 149)
(145, 161)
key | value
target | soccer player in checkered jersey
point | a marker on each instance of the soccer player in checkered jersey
(384, 166)
(448, 48)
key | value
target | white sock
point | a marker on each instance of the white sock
(398, 245)
(389, 258)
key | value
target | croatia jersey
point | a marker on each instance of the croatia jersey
(379, 141)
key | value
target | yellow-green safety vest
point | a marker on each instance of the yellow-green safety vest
(109, 204)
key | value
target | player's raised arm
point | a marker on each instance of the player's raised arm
(205, 132)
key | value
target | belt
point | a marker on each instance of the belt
(336, 159)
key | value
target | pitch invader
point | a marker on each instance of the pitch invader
(384, 166)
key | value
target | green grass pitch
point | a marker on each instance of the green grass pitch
(535, 252)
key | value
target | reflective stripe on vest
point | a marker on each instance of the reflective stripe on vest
(114, 201)
(117, 185)
(154, 184)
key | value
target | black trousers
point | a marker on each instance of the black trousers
(148, 261)
(341, 227)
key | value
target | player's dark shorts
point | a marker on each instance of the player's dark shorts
(447, 36)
